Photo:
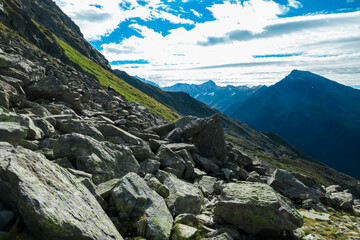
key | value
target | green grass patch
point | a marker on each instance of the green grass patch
(107, 78)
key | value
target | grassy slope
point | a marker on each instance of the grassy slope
(107, 78)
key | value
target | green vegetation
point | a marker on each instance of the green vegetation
(107, 78)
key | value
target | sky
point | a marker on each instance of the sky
(237, 42)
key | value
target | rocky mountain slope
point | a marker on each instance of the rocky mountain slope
(80, 161)
(319, 116)
(215, 96)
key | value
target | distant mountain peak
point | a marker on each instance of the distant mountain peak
(209, 83)
(306, 76)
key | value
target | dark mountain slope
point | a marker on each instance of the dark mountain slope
(317, 115)
(215, 96)
(178, 101)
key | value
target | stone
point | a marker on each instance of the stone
(210, 141)
(233, 232)
(162, 130)
(157, 186)
(145, 136)
(190, 164)
(198, 173)
(190, 125)
(149, 166)
(6, 217)
(104, 189)
(253, 177)
(12, 132)
(338, 198)
(4, 99)
(133, 198)
(170, 159)
(206, 184)
(45, 126)
(183, 232)
(155, 144)
(103, 160)
(174, 135)
(109, 130)
(32, 145)
(257, 209)
(312, 237)
(5, 61)
(180, 146)
(184, 197)
(77, 126)
(286, 184)
(318, 216)
(187, 219)
(205, 163)
(53, 204)
(142, 152)
(240, 173)
(33, 132)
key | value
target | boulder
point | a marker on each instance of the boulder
(33, 132)
(184, 197)
(206, 184)
(205, 163)
(174, 135)
(12, 132)
(162, 130)
(190, 125)
(103, 160)
(210, 141)
(47, 88)
(338, 198)
(52, 203)
(183, 232)
(77, 126)
(286, 184)
(104, 189)
(257, 209)
(142, 151)
(109, 130)
(181, 146)
(149, 166)
(133, 198)
(157, 186)
(45, 126)
(190, 164)
(170, 159)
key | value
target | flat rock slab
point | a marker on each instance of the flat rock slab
(324, 217)
(52, 203)
(257, 209)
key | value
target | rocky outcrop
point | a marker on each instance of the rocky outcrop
(103, 160)
(132, 198)
(257, 209)
(286, 184)
(53, 204)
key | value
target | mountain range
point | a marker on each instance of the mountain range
(319, 116)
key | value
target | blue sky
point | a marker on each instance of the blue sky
(230, 42)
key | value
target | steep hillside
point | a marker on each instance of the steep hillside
(220, 98)
(319, 116)
(62, 39)
(179, 102)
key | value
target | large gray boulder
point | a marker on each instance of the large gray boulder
(339, 198)
(33, 132)
(103, 160)
(206, 134)
(184, 197)
(286, 184)
(77, 126)
(170, 159)
(52, 203)
(134, 199)
(12, 132)
(257, 209)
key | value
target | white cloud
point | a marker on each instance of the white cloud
(296, 4)
(96, 22)
(195, 13)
